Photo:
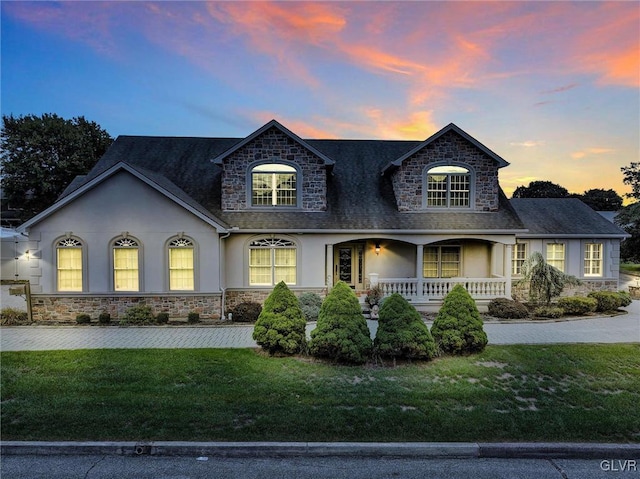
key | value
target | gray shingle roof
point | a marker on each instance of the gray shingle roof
(359, 196)
(562, 217)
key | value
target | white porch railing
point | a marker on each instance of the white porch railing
(419, 290)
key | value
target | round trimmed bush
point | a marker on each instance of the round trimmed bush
(310, 304)
(578, 305)
(342, 333)
(457, 328)
(162, 318)
(138, 314)
(401, 331)
(104, 318)
(507, 308)
(548, 312)
(607, 300)
(247, 312)
(281, 327)
(83, 318)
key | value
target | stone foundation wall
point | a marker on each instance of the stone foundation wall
(66, 308)
(234, 297)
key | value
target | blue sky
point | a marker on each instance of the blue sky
(552, 87)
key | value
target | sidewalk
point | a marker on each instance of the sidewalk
(618, 329)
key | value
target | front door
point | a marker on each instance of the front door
(349, 264)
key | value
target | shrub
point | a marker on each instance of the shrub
(374, 296)
(342, 333)
(457, 328)
(281, 327)
(138, 314)
(577, 304)
(83, 318)
(104, 318)
(549, 312)
(246, 312)
(607, 300)
(625, 298)
(162, 318)
(310, 304)
(193, 318)
(545, 281)
(507, 308)
(13, 317)
(402, 332)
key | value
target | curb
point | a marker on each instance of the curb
(327, 449)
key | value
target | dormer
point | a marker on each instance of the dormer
(273, 170)
(450, 171)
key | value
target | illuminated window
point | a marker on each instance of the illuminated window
(448, 187)
(274, 184)
(181, 261)
(593, 259)
(272, 260)
(69, 264)
(441, 262)
(519, 257)
(555, 255)
(126, 265)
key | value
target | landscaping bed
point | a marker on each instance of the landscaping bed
(505, 393)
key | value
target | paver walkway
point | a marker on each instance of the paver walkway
(619, 329)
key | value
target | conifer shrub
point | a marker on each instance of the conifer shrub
(162, 318)
(342, 333)
(607, 300)
(193, 317)
(401, 331)
(280, 328)
(578, 305)
(83, 318)
(310, 304)
(247, 312)
(507, 308)
(548, 312)
(138, 314)
(104, 318)
(457, 328)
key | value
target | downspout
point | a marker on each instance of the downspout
(222, 264)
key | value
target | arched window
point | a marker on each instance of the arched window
(181, 265)
(448, 186)
(272, 260)
(69, 264)
(126, 265)
(274, 184)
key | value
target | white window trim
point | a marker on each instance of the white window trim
(167, 249)
(585, 249)
(564, 257)
(439, 262)
(112, 248)
(85, 275)
(515, 259)
(425, 186)
(274, 161)
(271, 238)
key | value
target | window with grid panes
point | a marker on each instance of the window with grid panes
(593, 259)
(441, 262)
(274, 184)
(69, 264)
(125, 265)
(448, 187)
(181, 277)
(272, 260)
(519, 256)
(555, 255)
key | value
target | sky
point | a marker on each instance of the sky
(551, 87)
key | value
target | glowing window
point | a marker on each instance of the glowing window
(274, 184)
(448, 187)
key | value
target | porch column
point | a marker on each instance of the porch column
(328, 266)
(419, 261)
(508, 253)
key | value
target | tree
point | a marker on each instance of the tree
(41, 155)
(629, 217)
(281, 327)
(544, 280)
(402, 332)
(631, 177)
(602, 200)
(342, 333)
(541, 189)
(457, 328)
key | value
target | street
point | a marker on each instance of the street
(150, 467)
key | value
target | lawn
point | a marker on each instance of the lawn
(506, 393)
(630, 268)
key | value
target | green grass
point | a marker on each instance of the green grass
(506, 393)
(630, 268)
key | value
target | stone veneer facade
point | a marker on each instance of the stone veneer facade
(66, 308)
(409, 179)
(273, 144)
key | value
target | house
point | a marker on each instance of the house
(202, 224)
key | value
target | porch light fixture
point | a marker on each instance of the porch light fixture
(378, 248)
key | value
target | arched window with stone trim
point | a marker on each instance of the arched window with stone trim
(448, 186)
(69, 265)
(272, 260)
(181, 264)
(126, 264)
(274, 185)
